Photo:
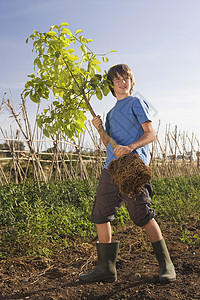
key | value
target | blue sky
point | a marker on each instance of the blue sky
(158, 39)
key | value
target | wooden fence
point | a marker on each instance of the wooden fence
(26, 154)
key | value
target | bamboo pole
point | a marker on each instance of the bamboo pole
(86, 162)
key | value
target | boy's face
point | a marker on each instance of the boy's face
(122, 86)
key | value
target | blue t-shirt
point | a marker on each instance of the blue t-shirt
(123, 124)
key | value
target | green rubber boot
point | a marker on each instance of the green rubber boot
(167, 271)
(105, 270)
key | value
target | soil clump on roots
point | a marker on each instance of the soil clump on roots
(130, 173)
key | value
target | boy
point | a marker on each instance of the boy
(129, 124)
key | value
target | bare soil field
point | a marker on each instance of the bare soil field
(57, 278)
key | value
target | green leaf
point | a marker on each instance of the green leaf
(48, 83)
(34, 97)
(70, 50)
(52, 33)
(50, 51)
(38, 63)
(78, 31)
(76, 88)
(95, 62)
(52, 130)
(36, 33)
(39, 122)
(73, 57)
(105, 59)
(32, 75)
(48, 120)
(97, 68)
(81, 122)
(64, 24)
(83, 49)
(105, 89)
(91, 69)
(56, 103)
(29, 83)
(54, 26)
(67, 31)
(98, 93)
(46, 132)
(77, 71)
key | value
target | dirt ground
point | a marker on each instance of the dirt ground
(57, 278)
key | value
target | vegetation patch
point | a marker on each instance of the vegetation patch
(43, 220)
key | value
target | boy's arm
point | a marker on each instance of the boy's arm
(148, 137)
(97, 122)
(103, 139)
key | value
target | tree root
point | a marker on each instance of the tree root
(130, 174)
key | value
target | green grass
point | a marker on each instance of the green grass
(34, 222)
(177, 199)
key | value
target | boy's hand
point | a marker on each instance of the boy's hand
(119, 151)
(97, 122)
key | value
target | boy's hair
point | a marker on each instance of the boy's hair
(123, 70)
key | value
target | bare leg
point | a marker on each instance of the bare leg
(104, 232)
(153, 231)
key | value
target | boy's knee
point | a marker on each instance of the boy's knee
(138, 222)
(141, 216)
(141, 222)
